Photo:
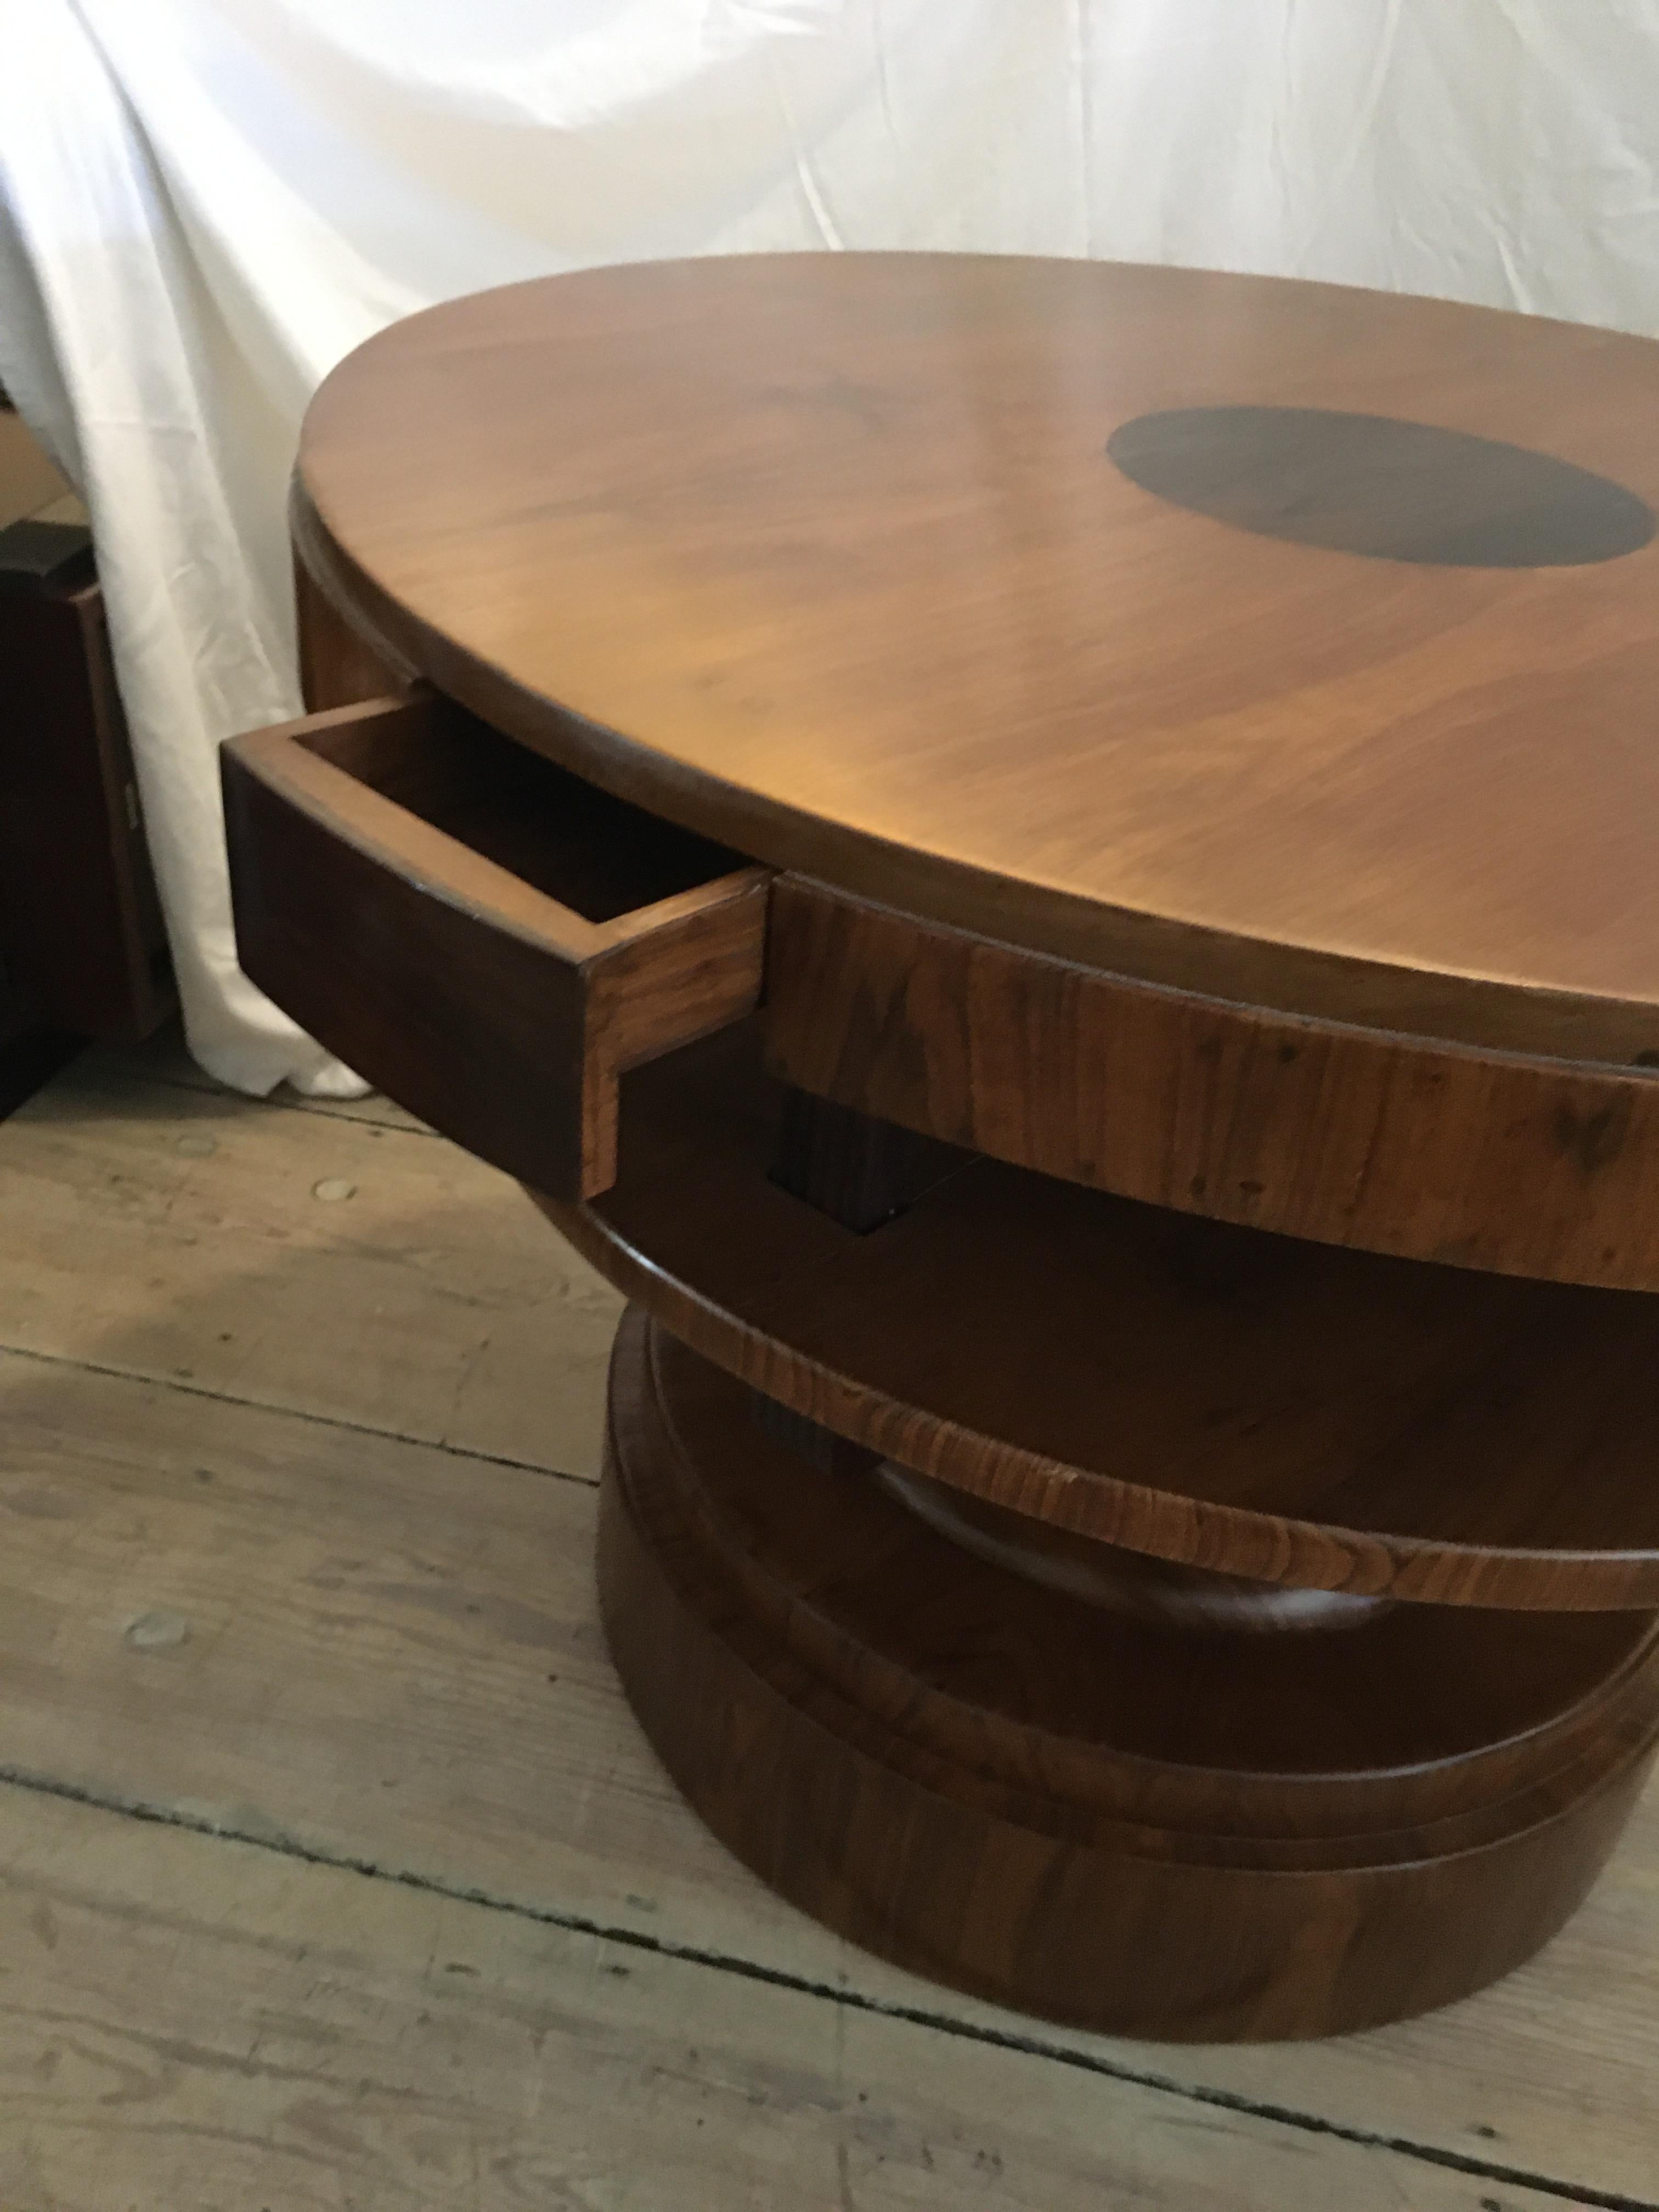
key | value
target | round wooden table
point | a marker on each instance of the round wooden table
(1052, 866)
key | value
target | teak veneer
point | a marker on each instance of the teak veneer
(1047, 863)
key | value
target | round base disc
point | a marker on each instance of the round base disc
(1159, 1827)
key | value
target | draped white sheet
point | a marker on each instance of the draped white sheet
(204, 204)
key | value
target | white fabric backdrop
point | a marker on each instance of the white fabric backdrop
(204, 204)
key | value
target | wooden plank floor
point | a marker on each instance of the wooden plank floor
(333, 1870)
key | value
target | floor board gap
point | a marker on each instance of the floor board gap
(1028, 2045)
(288, 1102)
(291, 1413)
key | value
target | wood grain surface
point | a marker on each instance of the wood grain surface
(338, 666)
(825, 556)
(1185, 1833)
(1283, 1410)
(375, 1622)
(477, 933)
(1526, 1166)
(319, 1260)
(192, 2023)
(365, 1683)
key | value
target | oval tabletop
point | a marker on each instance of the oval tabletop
(1289, 644)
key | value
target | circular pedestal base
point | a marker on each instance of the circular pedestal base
(1161, 1827)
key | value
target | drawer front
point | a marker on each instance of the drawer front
(485, 938)
(1314, 1129)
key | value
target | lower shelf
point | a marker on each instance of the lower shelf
(1167, 1829)
(1221, 1398)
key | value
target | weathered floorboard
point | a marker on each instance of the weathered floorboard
(377, 1651)
(364, 1272)
(195, 2023)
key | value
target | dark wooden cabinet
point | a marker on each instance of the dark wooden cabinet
(82, 949)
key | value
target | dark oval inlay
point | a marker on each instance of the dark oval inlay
(1366, 483)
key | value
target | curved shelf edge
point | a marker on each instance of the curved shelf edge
(810, 1316)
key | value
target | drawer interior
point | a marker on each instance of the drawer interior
(599, 856)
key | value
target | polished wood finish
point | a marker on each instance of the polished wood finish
(339, 666)
(1334, 1131)
(1203, 1835)
(1099, 1574)
(1284, 1412)
(516, 938)
(836, 568)
(1191, 720)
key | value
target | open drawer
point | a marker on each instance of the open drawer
(483, 936)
